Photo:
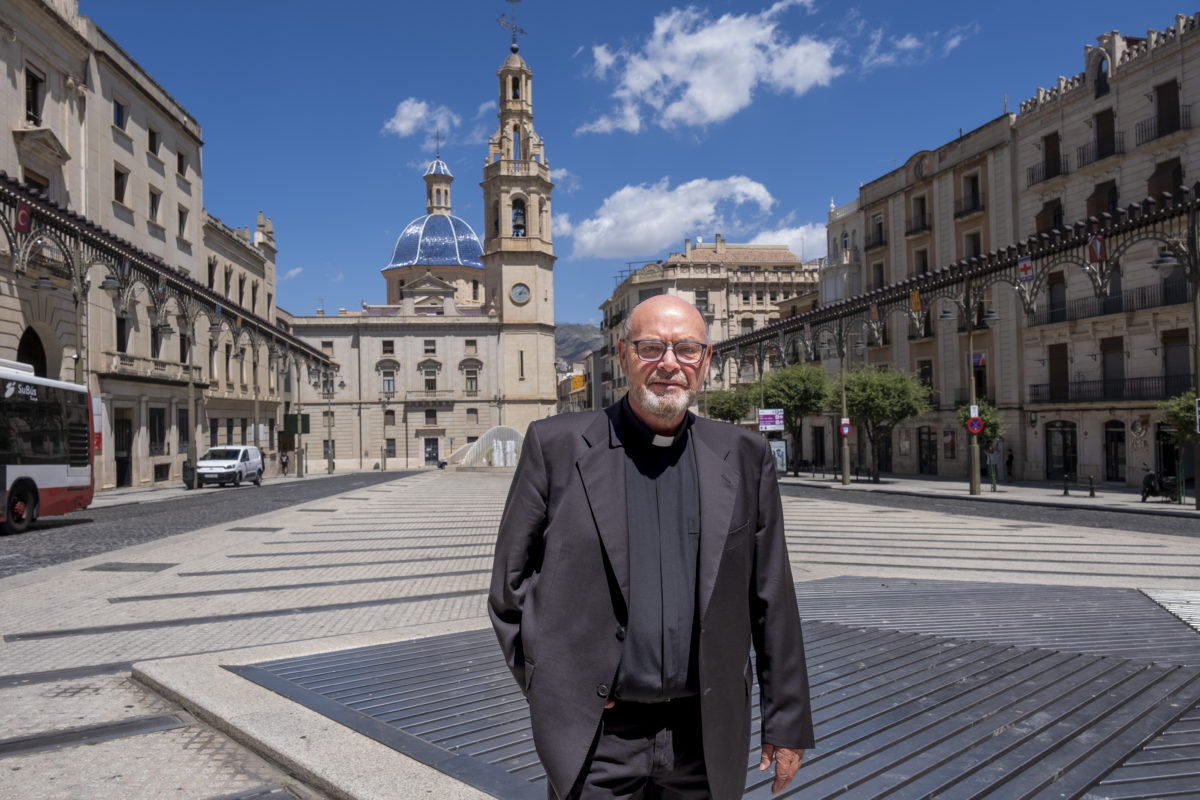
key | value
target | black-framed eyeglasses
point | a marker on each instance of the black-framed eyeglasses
(652, 350)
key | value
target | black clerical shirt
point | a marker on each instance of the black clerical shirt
(659, 658)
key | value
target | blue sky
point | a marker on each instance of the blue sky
(660, 120)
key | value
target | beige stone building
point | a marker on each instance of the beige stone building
(1037, 254)
(465, 341)
(738, 288)
(1105, 344)
(113, 273)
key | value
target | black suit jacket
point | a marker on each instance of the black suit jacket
(559, 596)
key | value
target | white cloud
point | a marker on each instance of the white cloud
(603, 60)
(413, 115)
(484, 108)
(292, 273)
(957, 35)
(806, 241)
(560, 225)
(565, 180)
(637, 221)
(694, 70)
(911, 49)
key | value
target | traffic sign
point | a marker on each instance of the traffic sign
(845, 429)
(975, 425)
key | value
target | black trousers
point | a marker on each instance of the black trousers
(644, 751)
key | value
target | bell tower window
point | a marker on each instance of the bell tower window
(518, 218)
(516, 153)
(516, 88)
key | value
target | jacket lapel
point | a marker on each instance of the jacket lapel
(718, 487)
(602, 468)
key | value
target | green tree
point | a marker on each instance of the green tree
(992, 428)
(800, 390)
(879, 398)
(729, 405)
(1179, 412)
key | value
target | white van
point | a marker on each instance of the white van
(230, 464)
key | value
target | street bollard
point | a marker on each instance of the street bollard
(1091, 486)
(1066, 491)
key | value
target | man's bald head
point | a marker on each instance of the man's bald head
(664, 307)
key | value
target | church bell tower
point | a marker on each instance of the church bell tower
(518, 251)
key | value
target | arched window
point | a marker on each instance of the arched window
(516, 88)
(496, 219)
(1102, 78)
(518, 218)
(389, 417)
(474, 290)
(516, 139)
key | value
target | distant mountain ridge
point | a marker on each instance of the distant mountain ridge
(573, 341)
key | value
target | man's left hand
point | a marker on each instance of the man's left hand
(787, 761)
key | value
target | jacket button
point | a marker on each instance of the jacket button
(602, 689)
(620, 634)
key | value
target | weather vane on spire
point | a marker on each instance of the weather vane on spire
(512, 26)
(437, 143)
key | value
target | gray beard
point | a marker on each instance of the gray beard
(665, 407)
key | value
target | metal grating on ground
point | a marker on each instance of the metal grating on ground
(1101, 621)
(1183, 604)
(899, 714)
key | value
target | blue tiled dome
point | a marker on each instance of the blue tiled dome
(438, 167)
(437, 240)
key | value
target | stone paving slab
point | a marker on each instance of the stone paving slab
(409, 558)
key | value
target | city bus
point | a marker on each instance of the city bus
(45, 446)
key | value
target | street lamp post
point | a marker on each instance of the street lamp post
(971, 401)
(966, 307)
(838, 336)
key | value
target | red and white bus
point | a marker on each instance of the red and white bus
(45, 446)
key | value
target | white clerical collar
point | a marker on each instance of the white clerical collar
(663, 441)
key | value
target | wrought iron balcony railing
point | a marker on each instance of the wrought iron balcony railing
(918, 223)
(876, 239)
(1099, 149)
(1154, 388)
(1157, 127)
(1153, 296)
(970, 204)
(1045, 170)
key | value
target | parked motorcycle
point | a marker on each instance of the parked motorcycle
(1153, 486)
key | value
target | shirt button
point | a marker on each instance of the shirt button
(602, 689)
(620, 634)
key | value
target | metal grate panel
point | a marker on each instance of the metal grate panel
(900, 714)
(1101, 621)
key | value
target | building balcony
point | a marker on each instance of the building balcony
(1100, 149)
(511, 167)
(966, 206)
(429, 396)
(1153, 296)
(155, 369)
(875, 240)
(1044, 171)
(919, 223)
(1151, 389)
(1163, 125)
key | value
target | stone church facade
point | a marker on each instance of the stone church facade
(465, 339)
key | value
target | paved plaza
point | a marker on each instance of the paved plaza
(148, 635)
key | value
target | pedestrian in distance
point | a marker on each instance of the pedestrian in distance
(640, 554)
(1008, 465)
(283, 463)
